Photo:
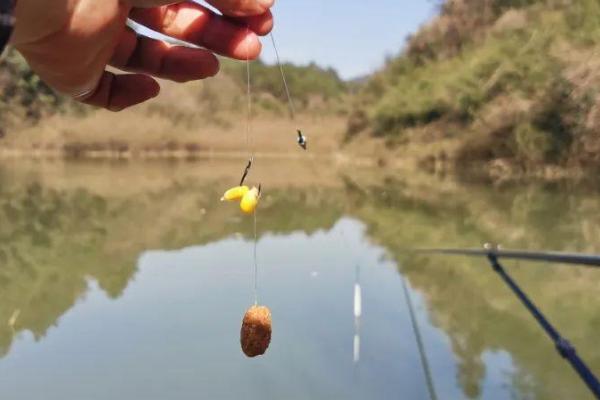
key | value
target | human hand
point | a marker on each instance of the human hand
(69, 43)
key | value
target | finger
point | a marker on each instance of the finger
(260, 24)
(242, 8)
(117, 92)
(195, 24)
(149, 3)
(157, 58)
(232, 8)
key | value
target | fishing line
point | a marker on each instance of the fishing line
(255, 261)
(302, 142)
(249, 145)
(255, 334)
(419, 339)
(283, 78)
(250, 148)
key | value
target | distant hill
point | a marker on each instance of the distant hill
(185, 121)
(514, 84)
(25, 99)
(307, 83)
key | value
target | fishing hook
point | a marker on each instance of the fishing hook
(247, 170)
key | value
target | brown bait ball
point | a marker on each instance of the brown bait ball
(255, 336)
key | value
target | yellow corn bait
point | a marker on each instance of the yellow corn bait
(236, 193)
(250, 201)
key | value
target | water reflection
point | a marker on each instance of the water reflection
(81, 234)
(357, 314)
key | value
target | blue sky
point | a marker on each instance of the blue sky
(352, 36)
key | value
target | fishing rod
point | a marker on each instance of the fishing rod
(563, 346)
(587, 260)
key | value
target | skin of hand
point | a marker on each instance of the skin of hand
(70, 43)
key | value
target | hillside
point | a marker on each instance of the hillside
(506, 88)
(511, 84)
(198, 117)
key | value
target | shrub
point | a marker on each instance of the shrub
(358, 121)
(305, 82)
(535, 145)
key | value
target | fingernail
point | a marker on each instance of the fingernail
(266, 3)
(249, 47)
(115, 108)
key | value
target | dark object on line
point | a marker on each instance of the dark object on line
(302, 140)
(564, 348)
(255, 336)
(246, 171)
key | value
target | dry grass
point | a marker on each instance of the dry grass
(185, 121)
(128, 180)
(137, 135)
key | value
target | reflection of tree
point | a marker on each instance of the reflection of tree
(35, 223)
(52, 240)
(466, 299)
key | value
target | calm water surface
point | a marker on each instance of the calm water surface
(129, 281)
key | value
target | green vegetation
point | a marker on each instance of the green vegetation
(308, 83)
(465, 297)
(499, 86)
(25, 99)
(511, 80)
(61, 228)
(24, 96)
(53, 239)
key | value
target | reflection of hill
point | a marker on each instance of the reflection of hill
(48, 246)
(57, 229)
(468, 302)
(54, 237)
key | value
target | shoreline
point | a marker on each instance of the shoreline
(484, 172)
(339, 158)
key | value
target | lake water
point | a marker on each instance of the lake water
(130, 281)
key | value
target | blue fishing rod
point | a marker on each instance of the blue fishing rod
(563, 346)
